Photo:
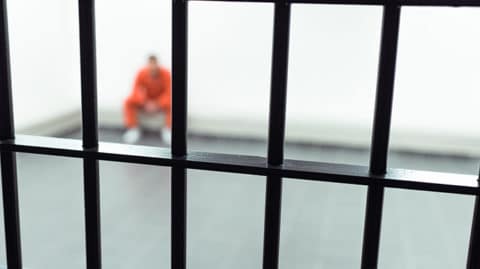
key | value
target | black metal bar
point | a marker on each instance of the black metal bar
(92, 213)
(10, 209)
(179, 218)
(381, 134)
(334, 2)
(90, 133)
(278, 91)
(473, 259)
(276, 133)
(179, 132)
(7, 130)
(89, 73)
(439, 3)
(385, 84)
(8, 159)
(273, 208)
(179, 77)
(242, 1)
(372, 226)
(251, 165)
(451, 3)
(340, 2)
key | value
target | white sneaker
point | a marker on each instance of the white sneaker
(166, 135)
(132, 135)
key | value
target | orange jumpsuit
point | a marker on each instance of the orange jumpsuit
(149, 88)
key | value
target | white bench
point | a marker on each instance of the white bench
(151, 121)
(114, 118)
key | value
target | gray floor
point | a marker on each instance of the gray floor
(322, 223)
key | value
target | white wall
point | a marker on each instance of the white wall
(45, 61)
(127, 32)
(333, 65)
(437, 85)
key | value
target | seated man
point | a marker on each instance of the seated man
(151, 93)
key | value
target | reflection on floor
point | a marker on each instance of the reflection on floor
(322, 223)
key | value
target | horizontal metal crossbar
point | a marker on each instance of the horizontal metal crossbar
(295, 169)
(438, 3)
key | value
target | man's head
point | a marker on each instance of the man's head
(153, 64)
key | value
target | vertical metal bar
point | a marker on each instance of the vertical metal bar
(179, 218)
(278, 84)
(276, 133)
(10, 209)
(473, 259)
(179, 132)
(92, 213)
(8, 159)
(385, 84)
(381, 132)
(89, 73)
(6, 106)
(372, 226)
(90, 132)
(271, 236)
(179, 77)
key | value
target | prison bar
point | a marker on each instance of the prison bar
(251, 165)
(276, 134)
(473, 259)
(86, 10)
(8, 159)
(380, 134)
(179, 131)
(438, 3)
(92, 213)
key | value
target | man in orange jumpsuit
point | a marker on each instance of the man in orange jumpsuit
(151, 93)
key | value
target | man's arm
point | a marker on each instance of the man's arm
(165, 99)
(138, 95)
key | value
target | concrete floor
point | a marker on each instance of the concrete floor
(322, 223)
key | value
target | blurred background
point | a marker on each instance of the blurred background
(331, 92)
(332, 71)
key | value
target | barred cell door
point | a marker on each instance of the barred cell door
(377, 177)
